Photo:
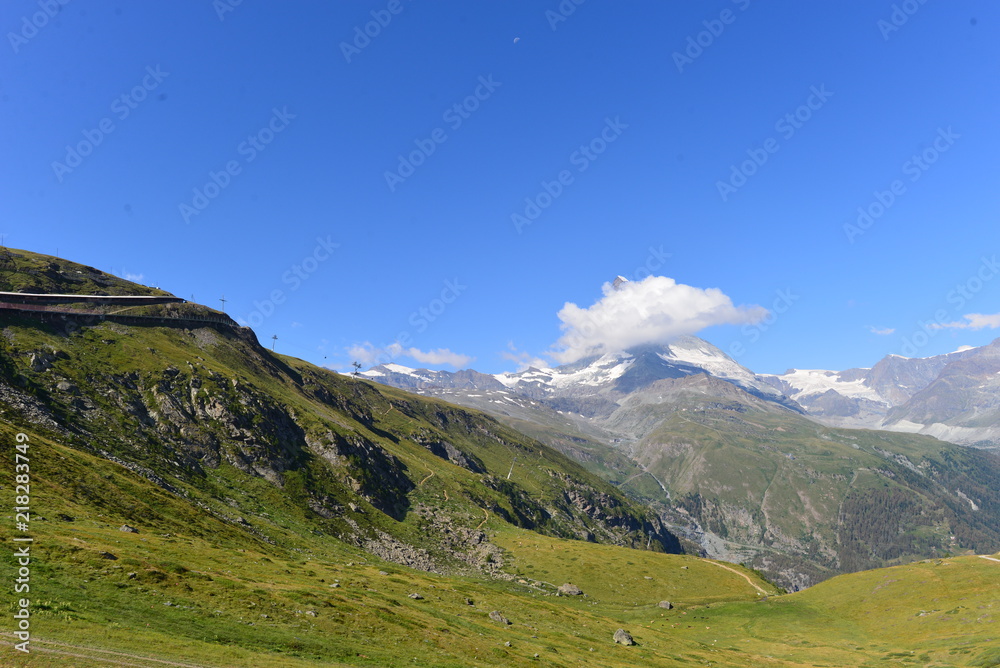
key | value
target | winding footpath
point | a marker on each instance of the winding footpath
(742, 575)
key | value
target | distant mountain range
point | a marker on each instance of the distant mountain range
(761, 469)
(593, 385)
(954, 397)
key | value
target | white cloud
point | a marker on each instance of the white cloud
(972, 321)
(135, 278)
(370, 355)
(365, 353)
(439, 356)
(882, 331)
(654, 310)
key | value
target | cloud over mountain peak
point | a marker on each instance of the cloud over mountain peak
(654, 310)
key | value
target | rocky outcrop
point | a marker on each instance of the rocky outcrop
(373, 473)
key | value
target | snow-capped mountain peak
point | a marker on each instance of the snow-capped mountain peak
(612, 375)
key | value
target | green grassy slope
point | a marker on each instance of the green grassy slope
(24, 271)
(235, 599)
(181, 403)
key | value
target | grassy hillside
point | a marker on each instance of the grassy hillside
(196, 589)
(368, 464)
(24, 271)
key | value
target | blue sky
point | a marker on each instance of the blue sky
(327, 184)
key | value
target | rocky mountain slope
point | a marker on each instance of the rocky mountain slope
(200, 411)
(739, 469)
(954, 397)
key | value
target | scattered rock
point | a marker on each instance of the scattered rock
(666, 605)
(570, 590)
(497, 617)
(469, 601)
(108, 555)
(684, 568)
(335, 585)
(647, 577)
(416, 597)
(311, 613)
(66, 386)
(63, 517)
(168, 604)
(41, 361)
(127, 529)
(622, 636)
(133, 575)
(507, 644)
(382, 573)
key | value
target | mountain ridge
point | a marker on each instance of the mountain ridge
(950, 396)
(669, 425)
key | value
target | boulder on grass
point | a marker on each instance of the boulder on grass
(570, 590)
(622, 636)
(497, 617)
